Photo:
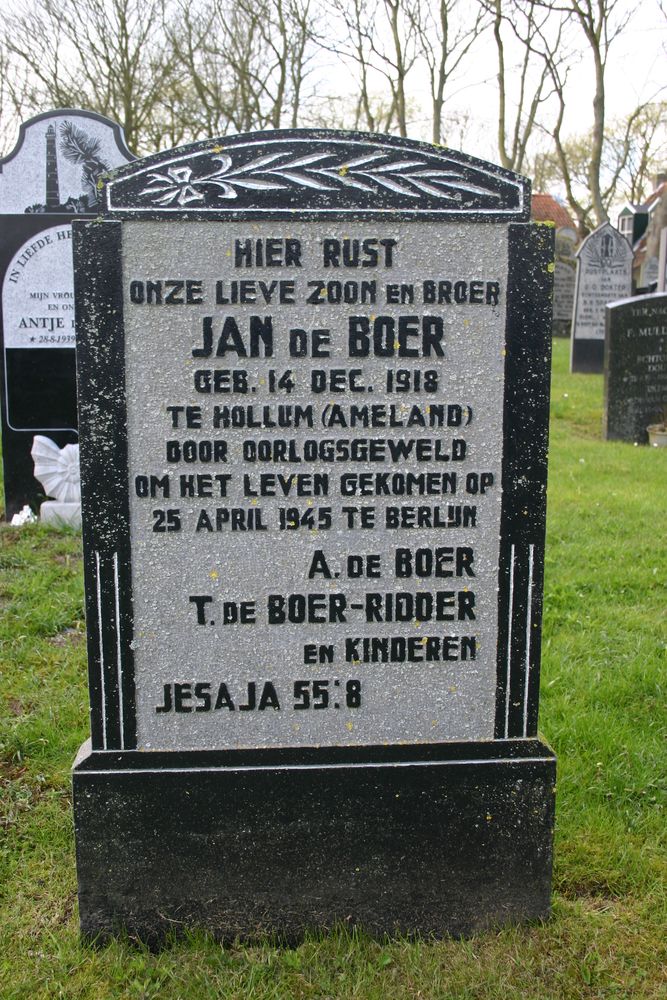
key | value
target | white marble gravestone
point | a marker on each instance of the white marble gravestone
(604, 274)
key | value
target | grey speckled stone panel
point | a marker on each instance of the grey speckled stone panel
(410, 701)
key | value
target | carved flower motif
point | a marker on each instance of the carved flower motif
(177, 185)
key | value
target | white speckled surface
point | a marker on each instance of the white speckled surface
(410, 702)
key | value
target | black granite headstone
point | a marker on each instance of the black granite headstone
(604, 274)
(313, 398)
(635, 367)
(51, 175)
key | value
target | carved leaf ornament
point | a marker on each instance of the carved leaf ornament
(276, 172)
(316, 171)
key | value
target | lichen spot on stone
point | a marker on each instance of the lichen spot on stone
(551, 267)
(344, 170)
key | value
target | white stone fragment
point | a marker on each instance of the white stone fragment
(24, 516)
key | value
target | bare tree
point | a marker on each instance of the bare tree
(12, 98)
(378, 37)
(601, 22)
(634, 150)
(244, 62)
(526, 86)
(445, 32)
(400, 57)
(108, 55)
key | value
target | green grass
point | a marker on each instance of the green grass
(603, 708)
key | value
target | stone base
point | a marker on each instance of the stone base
(57, 514)
(587, 356)
(435, 840)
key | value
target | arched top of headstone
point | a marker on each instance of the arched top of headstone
(605, 247)
(319, 174)
(57, 162)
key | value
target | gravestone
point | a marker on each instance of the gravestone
(635, 367)
(564, 280)
(313, 396)
(51, 175)
(604, 274)
(649, 274)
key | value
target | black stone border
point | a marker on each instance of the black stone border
(524, 501)
(98, 293)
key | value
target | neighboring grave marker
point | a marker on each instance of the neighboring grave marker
(313, 377)
(49, 177)
(650, 272)
(635, 384)
(564, 281)
(604, 274)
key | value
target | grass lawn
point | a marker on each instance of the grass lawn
(603, 709)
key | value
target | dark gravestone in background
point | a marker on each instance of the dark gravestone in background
(604, 274)
(313, 397)
(635, 367)
(49, 177)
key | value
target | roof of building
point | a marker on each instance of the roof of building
(655, 196)
(545, 208)
(645, 207)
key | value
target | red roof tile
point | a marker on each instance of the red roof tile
(545, 208)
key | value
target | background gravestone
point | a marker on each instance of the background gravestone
(650, 272)
(565, 266)
(635, 368)
(51, 175)
(313, 392)
(604, 274)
